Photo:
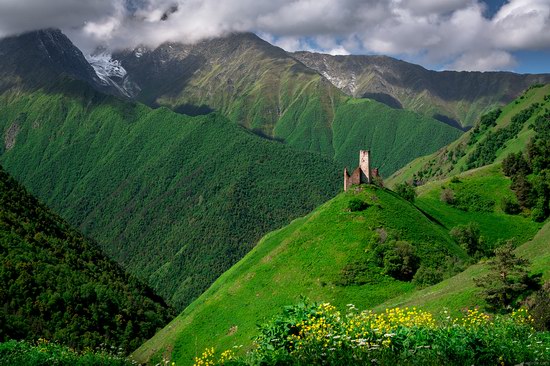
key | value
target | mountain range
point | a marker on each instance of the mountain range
(178, 160)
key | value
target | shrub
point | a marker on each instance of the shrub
(447, 196)
(401, 261)
(524, 191)
(50, 353)
(356, 204)
(468, 237)
(539, 307)
(406, 191)
(427, 276)
(509, 206)
(327, 336)
(508, 278)
(515, 164)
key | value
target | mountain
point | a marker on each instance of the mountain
(40, 58)
(59, 286)
(175, 199)
(266, 90)
(331, 255)
(457, 98)
(498, 133)
(347, 250)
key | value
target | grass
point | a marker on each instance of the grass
(47, 353)
(459, 292)
(488, 184)
(307, 258)
(452, 159)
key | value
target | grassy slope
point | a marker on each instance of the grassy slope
(489, 183)
(59, 286)
(459, 291)
(303, 258)
(176, 199)
(394, 136)
(441, 163)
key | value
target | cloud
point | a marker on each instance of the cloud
(17, 16)
(484, 60)
(453, 33)
(522, 24)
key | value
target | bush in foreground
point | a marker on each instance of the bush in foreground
(319, 334)
(22, 353)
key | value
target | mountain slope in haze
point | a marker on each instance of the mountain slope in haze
(506, 130)
(59, 286)
(264, 89)
(323, 256)
(40, 58)
(457, 98)
(176, 199)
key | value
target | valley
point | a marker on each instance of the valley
(205, 179)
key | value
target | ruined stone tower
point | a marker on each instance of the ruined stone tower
(364, 165)
(362, 174)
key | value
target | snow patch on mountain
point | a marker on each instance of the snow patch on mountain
(110, 72)
(105, 67)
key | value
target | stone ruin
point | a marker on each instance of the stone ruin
(362, 174)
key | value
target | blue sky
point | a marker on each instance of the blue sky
(482, 35)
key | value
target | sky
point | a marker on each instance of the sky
(480, 35)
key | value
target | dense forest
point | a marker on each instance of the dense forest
(57, 285)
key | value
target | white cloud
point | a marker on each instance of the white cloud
(522, 24)
(457, 33)
(483, 61)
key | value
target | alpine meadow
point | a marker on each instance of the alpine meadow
(274, 183)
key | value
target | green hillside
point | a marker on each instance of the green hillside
(329, 255)
(59, 286)
(264, 89)
(478, 196)
(486, 186)
(177, 200)
(491, 140)
(459, 292)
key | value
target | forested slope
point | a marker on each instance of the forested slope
(59, 286)
(175, 199)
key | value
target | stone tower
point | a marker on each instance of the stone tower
(364, 164)
(363, 173)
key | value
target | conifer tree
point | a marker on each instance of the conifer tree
(507, 279)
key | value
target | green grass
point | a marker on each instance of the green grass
(453, 159)
(460, 292)
(46, 353)
(488, 184)
(307, 258)
(176, 199)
